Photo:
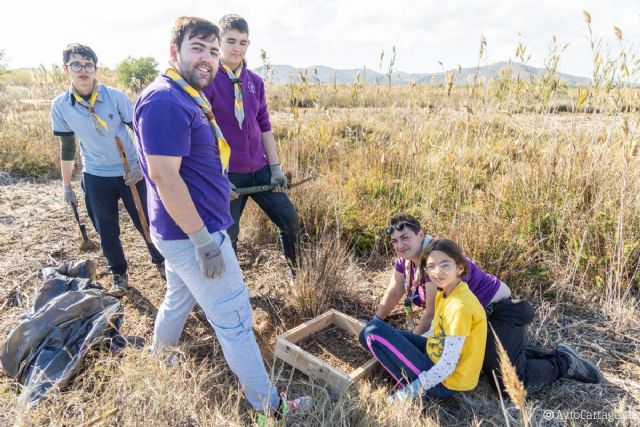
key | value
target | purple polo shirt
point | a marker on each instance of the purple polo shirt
(247, 152)
(483, 285)
(168, 122)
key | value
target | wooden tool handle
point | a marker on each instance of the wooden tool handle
(134, 192)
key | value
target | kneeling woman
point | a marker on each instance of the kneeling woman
(448, 357)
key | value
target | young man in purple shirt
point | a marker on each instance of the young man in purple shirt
(184, 157)
(507, 317)
(239, 104)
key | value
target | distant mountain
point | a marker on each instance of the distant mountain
(323, 74)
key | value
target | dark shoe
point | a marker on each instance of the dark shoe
(580, 369)
(120, 284)
(161, 270)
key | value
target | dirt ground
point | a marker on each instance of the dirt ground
(36, 230)
(336, 347)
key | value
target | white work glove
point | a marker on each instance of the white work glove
(233, 194)
(133, 177)
(208, 254)
(69, 196)
(277, 177)
(413, 390)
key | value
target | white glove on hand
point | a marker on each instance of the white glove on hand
(233, 194)
(277, 177)
(208, 254)
(69, 196)
(410, 391)
(133, 177)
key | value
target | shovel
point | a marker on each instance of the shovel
(86, 245)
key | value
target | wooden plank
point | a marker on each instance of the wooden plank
(364, 371)
(311, 365)
(348, 323)
(314, 367)
(309, 327)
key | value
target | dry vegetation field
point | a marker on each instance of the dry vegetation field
(540, 183)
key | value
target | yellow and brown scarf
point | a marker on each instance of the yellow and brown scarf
(99, 124)
(203, 102)
(234, 76)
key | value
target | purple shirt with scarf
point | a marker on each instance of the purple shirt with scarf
(247, 152)
(168, 122)
(483, 285)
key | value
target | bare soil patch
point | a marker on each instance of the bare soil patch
(337, 347)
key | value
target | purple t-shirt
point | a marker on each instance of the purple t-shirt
(247, 152)
(483, 285)
(168, 122)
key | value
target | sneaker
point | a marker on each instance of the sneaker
(161, 270)
(579, 368)
(120, 284)
(287, 407)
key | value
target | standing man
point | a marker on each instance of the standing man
(97, 114)
(185, 156)
(238, 100)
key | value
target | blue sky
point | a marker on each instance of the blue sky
(339, 34)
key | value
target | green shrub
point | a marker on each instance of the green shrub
(136, 73)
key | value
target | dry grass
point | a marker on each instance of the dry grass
(325, 267)
(36, 228)
(512, 384)
(547, 201)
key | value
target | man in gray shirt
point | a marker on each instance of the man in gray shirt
(97, 114)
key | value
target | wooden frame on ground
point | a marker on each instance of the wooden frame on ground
(288, 351)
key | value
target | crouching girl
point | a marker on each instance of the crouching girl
(447, 358)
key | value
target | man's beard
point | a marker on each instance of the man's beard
(191, 76)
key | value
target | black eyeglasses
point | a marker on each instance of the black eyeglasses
(400, 226)
(76, 67)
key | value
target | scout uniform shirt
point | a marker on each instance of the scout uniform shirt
(99, 152)
(169, 123)
(247, 152)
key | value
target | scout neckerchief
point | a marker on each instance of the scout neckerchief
(99, 124)
(199, 98)
(234, 76)
(410, 291)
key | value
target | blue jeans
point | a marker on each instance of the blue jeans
(101, 195)
(277, 206)
(401, 353)
(225, 302)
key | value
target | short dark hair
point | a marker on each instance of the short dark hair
(450, 248)
(194, 27)
(233, 22)
(78, 49)
(408, 219)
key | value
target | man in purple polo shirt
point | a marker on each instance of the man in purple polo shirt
(238, 99)
(182, 156)
(507, 317)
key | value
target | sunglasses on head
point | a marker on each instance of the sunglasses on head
(400, 226)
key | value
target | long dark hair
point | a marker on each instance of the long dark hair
(450, 248)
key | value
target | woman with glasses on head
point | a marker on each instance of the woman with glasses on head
(411, 284)
(448, 357)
